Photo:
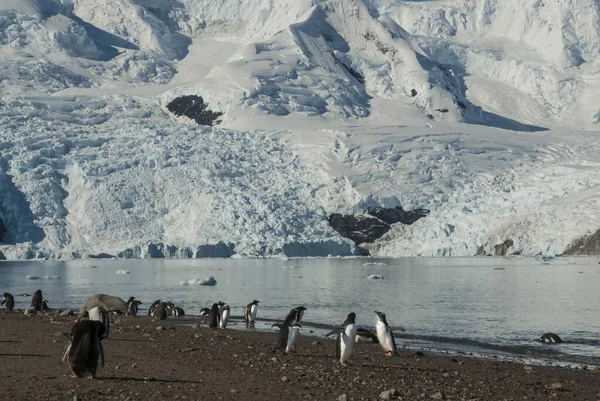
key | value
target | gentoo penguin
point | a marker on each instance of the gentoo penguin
(37, 301)
(100, 315)
(153, 306)
(204, 312)
(221, 304)
(366, 335)
(298, 312)
(286, 328)
(9, 300)
(132, 308)
(385, 335)
(345, 340)
(224, 316)
(293, 333)
(250, 313)
(550, 338)
(85, 348)
(177, 311)
(160, 312)
(214, 317)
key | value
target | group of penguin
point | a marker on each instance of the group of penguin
(85, 351)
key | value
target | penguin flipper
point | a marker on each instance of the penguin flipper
(101, 349)
(278, 325)
(66, 352)
(333, 332)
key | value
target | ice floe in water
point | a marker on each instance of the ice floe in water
(210, 280)
(123, 272)
(32, 277)
(375, 277)
(374, 264)
(290, 267)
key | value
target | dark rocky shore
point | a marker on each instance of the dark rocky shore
(146, 360)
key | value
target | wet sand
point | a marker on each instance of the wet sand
(196, 363)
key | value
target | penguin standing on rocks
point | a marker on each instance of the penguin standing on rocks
(224, 316)
(98, 314)
(290, 326)
(346, 339)
(132, 308)
(250, 313)
(153, 306)
(214, 317)
(9, 300)
(385, 335)
(160, 312)
(37, 302)
(550, 338)
(85, 348)
(204, 313)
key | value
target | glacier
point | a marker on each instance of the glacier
(483, 112)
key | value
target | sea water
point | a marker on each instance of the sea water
(490, 306)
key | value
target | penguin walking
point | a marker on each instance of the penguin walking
(9, 300)
(385, 335)
(224, 316)
(160, 311)
(250, 313)
(214, 317)
(98, 314)
(153, 306)
(550, 338)
(298, 312)
(289, 327)
(346, 339)
(85, 348)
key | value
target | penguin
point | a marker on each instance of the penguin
(366, 335)
(160, 312)
(214, 317)
(250, 313)
(85, 348)
(204, 312)
(9, 300)
(170, 308)
(286, 328)
(298, 312)
(132, 308)
(224, 316)
(37, 301)
(177, 311)
(385, 335)
(293, 333)
(98, 314)
(153, 306)
(550, 338)
(221, 304)
(45, 305)
(346, 339)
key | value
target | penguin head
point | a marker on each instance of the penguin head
(381, 316)
(351, 318)
(130, 300)
(255, 302)
(226, 307)
(220, 303)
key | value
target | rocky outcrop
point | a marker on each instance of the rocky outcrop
(2, 230)
(369, 227)
(193, 107)
(587, 245)
(502, 249)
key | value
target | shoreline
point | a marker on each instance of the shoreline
(146, 360)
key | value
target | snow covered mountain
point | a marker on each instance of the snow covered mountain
(483, 112)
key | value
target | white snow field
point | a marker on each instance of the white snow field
(485, 112)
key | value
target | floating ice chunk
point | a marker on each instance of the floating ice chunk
(210, 280)
(375, 277)
(291, 267)
(374, 264)
(32, 277)
(90, 266)
(123, 272)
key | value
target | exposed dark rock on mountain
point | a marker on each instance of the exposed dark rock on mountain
(398, 215)
(102, 256)
(587, 245)
(2, 229)
(367, 228)
(193, 107)
(502, 249)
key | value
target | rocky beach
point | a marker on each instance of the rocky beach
(146, 360)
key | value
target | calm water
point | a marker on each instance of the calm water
(483, 305)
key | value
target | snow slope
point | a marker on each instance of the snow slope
(485, 113)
